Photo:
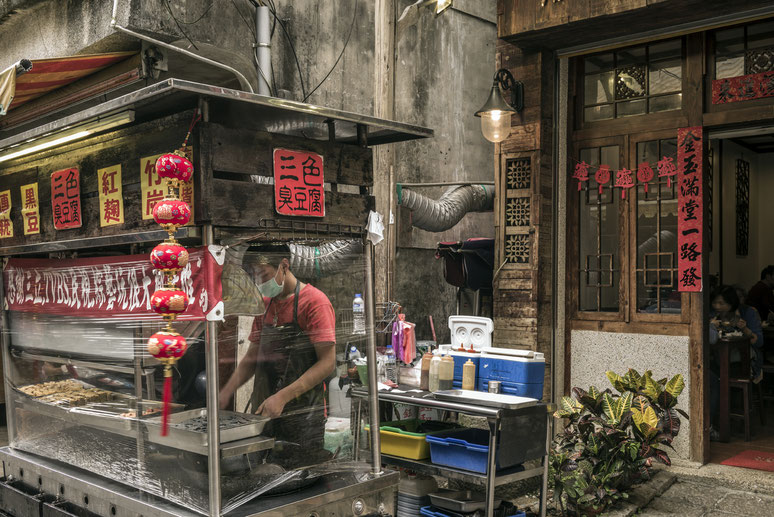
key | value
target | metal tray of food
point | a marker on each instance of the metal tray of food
(188, 429)
(482, 398)
(463, 501)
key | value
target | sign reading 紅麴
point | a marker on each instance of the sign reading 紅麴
(298, 183)
(690, 206)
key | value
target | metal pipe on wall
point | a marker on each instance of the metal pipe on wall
(5, 342)
(263, 48)
(373, 389)
(213, 389)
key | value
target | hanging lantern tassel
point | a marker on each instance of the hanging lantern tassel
(167, 399)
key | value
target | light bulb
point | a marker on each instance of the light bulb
(496, 125)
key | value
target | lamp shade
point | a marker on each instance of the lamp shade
(495, 116)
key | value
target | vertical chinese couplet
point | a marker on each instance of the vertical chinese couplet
(66, 199)
(30, 209)
(298, 183)
(111, 202)
(690, 206)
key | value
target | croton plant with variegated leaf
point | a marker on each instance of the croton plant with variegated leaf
(611, 439)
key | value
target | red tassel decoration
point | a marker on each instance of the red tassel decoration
(167, 400)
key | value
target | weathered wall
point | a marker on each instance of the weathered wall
(665, 356)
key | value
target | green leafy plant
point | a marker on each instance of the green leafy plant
(611, 439)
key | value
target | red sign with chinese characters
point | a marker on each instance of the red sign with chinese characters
(689, 208)
(112, 287)
(743, 88)
(298, 183)
(66, 199)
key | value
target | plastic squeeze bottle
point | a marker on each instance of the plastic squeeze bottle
(424, 379)
(469, 375)
(446, 373)
(435, 366)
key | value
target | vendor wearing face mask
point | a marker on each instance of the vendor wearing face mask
(292, 350)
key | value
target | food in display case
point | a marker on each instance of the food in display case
(68, 393)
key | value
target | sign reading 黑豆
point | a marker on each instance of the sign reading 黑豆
(30, 209)
(689, 209)
(66, 199)
(298, 183)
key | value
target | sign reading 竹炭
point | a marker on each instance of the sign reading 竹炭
(152, 186)
(111, 203)
(689, 209)
(6, 225)
(30, 209)
(66, 199)
(298, 183)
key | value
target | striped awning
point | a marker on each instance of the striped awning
(49, 74)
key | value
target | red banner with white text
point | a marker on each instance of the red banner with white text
(690, 206)
(111, 287)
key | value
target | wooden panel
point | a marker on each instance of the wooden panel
(642, 327)
(124, 146)
(242, 151)
(245, 204)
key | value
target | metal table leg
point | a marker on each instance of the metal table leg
(358, 420)
(544, 484)
(491, 466)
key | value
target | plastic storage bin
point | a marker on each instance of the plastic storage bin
(465, 449)
(407, 438)
(432, 511)
(468, 332)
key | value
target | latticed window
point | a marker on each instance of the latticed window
(633, 81)
(599, 257)
(656, 214)
(744, 50)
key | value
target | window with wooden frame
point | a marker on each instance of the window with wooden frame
(633, 81)
(744, 50)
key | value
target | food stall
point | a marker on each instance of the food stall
(86, 421)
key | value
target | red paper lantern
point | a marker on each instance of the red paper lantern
(169, 256)
(174, 166)
(171, 213)
(167, 301)
(167, 345)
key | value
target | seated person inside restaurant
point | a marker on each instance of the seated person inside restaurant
(761, 295)
(730, 318)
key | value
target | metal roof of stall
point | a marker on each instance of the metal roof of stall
(239, 108)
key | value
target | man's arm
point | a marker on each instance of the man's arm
(244, 370)
(316, 374)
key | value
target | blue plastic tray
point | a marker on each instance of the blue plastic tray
(465, 449)
(432, 511)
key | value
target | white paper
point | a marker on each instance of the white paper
(375, 227)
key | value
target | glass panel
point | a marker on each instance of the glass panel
(729, 41)
(729, 66)
(666, 50)
(629, 108)
(599, 62)
(657, 235)
(599, 227)
(666, 76)
(598, 88)
(599, 112)
(630, 56)
(760, 35)
(666, 103)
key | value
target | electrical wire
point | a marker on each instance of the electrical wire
(273, 10)
(352, 26)
(200, 17)
(252, 28)
(180, 28)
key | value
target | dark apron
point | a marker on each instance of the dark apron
(285, 354)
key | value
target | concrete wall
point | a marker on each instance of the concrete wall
(665, 356)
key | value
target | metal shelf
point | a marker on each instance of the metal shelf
(425, 467)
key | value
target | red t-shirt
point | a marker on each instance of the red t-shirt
(315, 315)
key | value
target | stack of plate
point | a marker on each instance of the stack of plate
(409, 505)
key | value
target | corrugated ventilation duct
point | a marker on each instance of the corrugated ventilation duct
(440, 215)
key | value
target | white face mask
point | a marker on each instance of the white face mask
(271, 288)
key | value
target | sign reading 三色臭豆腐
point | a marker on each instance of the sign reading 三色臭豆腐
(298, 183)
(66, 199)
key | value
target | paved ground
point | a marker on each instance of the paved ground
(704, 498)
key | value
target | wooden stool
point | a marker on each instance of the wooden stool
(746, 385)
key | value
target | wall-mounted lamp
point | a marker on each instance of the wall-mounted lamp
(67, 135)
(496, 112)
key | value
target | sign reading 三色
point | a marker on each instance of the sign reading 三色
(298, 183)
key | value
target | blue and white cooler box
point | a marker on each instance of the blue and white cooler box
(468, 332)
(521, 372)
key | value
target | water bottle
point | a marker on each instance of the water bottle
(435, 366)
(391, 365)
(358, 315)
(354, 353)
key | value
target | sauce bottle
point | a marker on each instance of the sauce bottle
(446, 373)
(424, 380)
(435, 366)
(469, 375)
